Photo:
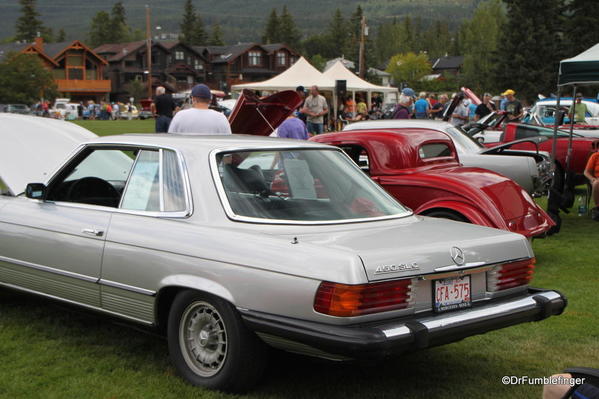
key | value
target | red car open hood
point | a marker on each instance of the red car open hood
(262, 115)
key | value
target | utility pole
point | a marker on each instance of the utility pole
(149, 50)
(363, 34)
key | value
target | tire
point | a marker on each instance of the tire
(447, 215)
(210, 345)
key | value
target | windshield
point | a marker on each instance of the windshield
(301, 185)
(463, 143)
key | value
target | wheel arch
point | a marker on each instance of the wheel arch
(472, 214)
(173, 285)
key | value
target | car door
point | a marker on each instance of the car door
(54, 246)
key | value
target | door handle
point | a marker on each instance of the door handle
(93, 232)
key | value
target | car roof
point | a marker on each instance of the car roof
(186, 142)
(398, 124)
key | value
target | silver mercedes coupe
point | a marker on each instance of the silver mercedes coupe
(228, 245)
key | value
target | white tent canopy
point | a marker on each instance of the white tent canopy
(302, 73)
(338, 71)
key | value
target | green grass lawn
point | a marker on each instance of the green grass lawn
(105, 128)
(52, 351)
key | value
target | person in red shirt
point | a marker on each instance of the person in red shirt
(591, 172)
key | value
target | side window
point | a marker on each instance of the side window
(95, 177)
(434, 150)
(359, 155)
(143, 189)
(152, 189)
(523, 132)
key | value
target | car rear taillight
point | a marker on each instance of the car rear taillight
(510, 275)
(356, 300)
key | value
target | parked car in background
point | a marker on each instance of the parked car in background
(533, 170)
(334, 267)
(135, 113)
(17, 109)
(421, 168)
(543, 112)
(581, 146)
(65, 110)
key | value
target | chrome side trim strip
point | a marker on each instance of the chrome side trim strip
(94, 308)
(456, 267)
(472, 315)
(126, 287)
(49, 269)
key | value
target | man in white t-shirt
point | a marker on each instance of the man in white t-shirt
(200, 119)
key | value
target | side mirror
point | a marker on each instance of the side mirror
(559, 117)
(35, 191)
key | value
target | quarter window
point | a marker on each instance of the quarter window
(143, 189)
(434, 150)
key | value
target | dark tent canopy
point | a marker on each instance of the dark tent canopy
(582, 69)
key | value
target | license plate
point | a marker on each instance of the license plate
(451, 294)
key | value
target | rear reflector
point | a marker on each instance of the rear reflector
(355, 300)
(510, 275)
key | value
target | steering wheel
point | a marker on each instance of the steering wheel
(92, 190)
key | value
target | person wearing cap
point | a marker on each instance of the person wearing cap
(580, 111)
(162, 109)
(485, 108)
(200, 119)
(513, 107)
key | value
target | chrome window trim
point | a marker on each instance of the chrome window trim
(126, 287)
(224, 200)
(161, 179)
(49, 269)
(182, 166)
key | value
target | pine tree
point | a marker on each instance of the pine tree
(199, 36)
(118, 24)
(28, 25)
(581, 32)
(289, 34)
(187, 25)
(355, 29)
(530, 47)
(100, 29)
(272, 32)
(216, 37)
(62, 36)
(337, 35)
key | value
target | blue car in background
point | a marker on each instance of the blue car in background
(542, 113)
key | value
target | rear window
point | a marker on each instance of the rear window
(434, 150)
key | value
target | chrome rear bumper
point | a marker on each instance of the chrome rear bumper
(392, 337)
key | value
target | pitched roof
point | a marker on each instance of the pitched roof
(10, 47)
(448, 62)
(117, 51)
(53, 49)
(223, 54)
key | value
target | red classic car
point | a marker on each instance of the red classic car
(581, 146)
(422, 170)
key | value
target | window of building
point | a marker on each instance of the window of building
(281, 58)
(198, 65)
(75, 73)
(255, 58)
(179, 55)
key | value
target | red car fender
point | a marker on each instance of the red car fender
(474, 215)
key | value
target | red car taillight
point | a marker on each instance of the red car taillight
(510, 275)
(356, 300)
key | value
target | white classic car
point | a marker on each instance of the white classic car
(223, 253)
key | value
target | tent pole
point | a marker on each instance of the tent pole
(335, 106)
(569, 155)
(554, 144)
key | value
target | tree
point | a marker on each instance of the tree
(272, 31)
(409, 67)
(338, 35)
(216, 37)
(192, 27)
(62, 36)
(318, 62)
(355, 30)
(530, 47)
(136, 89)
(480, 41)
(28, 25)
(581, 27)
(100, 30)
(288, 32)
(24, 80)
(118, 24)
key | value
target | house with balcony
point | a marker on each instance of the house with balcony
(245, 62)
(78, 71)
(175, 66)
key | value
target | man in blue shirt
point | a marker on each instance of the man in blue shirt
(421, 107)
(293, 128)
